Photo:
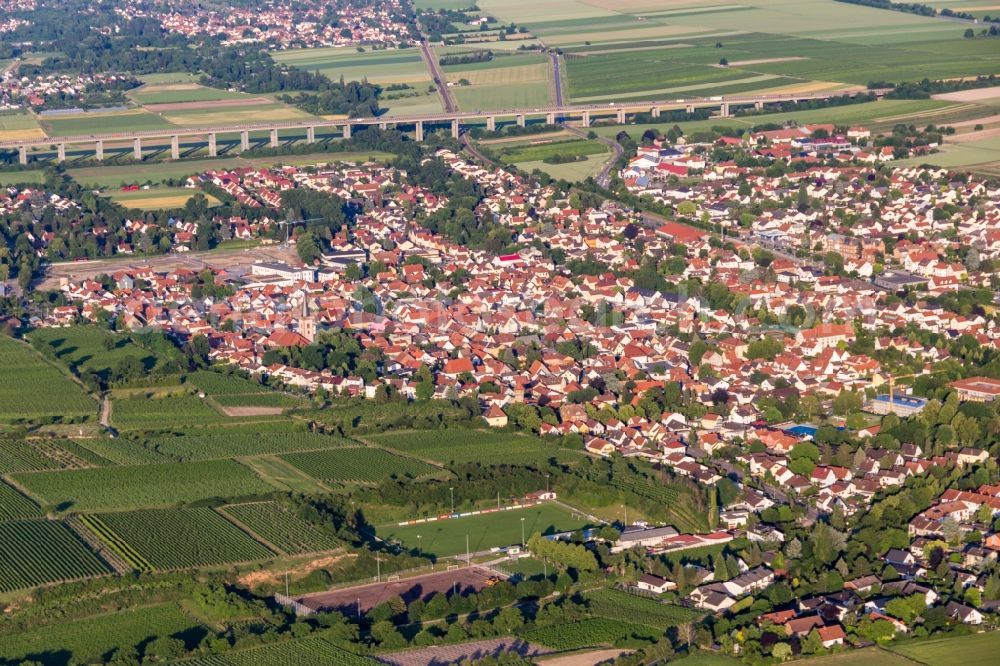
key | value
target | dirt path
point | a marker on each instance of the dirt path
(584, 658)
(105, 412)
(974, 95)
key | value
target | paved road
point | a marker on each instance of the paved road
(440, 80)
(557, 78)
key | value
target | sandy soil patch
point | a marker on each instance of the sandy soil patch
(257, 578)
(810, 86)
(985, 120)
(585, 658)
(453, 654)
(974, 95)
(252, 411)
(208, 104)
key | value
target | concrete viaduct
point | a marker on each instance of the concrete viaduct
(581, 113)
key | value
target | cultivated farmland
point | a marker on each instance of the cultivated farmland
(239, 443)
(178, 538)
(280, 528)
(589, 632)
(90, 639)
(31, 389)
(150, 413)
(18, 455)
(617, 605)
(15, 506)
(357, 464)
(146, 485)
(157, 198)
(103, 123)
(36, 552)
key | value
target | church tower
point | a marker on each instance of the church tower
(307, 324)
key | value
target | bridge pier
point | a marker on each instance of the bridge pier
(724, 110)
(22, 154)
(383, 126)
(244, 140)
(347, 131)
(310, 135)
(758, 105)
(491, 123)
(521, 121)
(175, 147)
(621, 116)
(550, 119)
(420, 129)
(137, 149)
(655, 112)
(99, 150)
(274, 138)
(213, 149)
(61, 152)
(586, 119)
(689, 108)
(454, 128)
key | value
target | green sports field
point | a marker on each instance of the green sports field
(496, 530)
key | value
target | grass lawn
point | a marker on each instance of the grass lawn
(158, 198)
(234, 115)
(447, 537)
(976, 650)
(571, 171)
(960, 154)
(32, 177)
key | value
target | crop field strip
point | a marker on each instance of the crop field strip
(31, 388)
(306, 652)
(15, 506)
(136, 487)
(166, 539)
(617, 605)
(362, 464)
(89, 640)
(37, 552)
(119, 546)
(588, 632)
(280, 528)
(143, 413)
(18, 455)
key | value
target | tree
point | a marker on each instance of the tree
(781, 651)
(846, 402)
(969, 33)
(723, 62)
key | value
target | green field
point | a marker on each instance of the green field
(103, 123)
(37, 552)
(541, 151)
(280, 528)
(165, 484)
(235, 391)
(112, 176)
(32, 177)
(357, 464)
(31, 389)
(493, 530)
(19, 126)
(87, 641)
(470, 446)
(177, 538)
(977, 650)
